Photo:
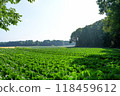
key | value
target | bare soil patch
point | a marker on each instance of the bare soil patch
(7, 47)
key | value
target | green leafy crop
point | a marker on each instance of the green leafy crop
(58, 63)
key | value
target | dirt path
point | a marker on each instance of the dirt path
(7, 47)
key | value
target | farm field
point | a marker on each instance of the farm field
(59, 63)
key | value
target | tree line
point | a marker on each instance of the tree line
(112, 22)
(36, 43)
(92, 36)
(103, 33)
(89, 36)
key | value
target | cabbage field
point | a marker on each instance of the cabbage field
(59, 63)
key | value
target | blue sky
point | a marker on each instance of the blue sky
(51, 19)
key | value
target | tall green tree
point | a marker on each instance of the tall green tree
(112, 22)
(89, 36)
(9, 16)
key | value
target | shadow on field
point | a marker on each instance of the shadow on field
(111, 51)
(85, 47)
(104, 67)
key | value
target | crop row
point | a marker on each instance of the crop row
(59, 63)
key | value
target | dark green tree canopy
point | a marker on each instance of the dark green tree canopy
(107, 5)
(112, 21)
(9, 16)
(89, 36)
